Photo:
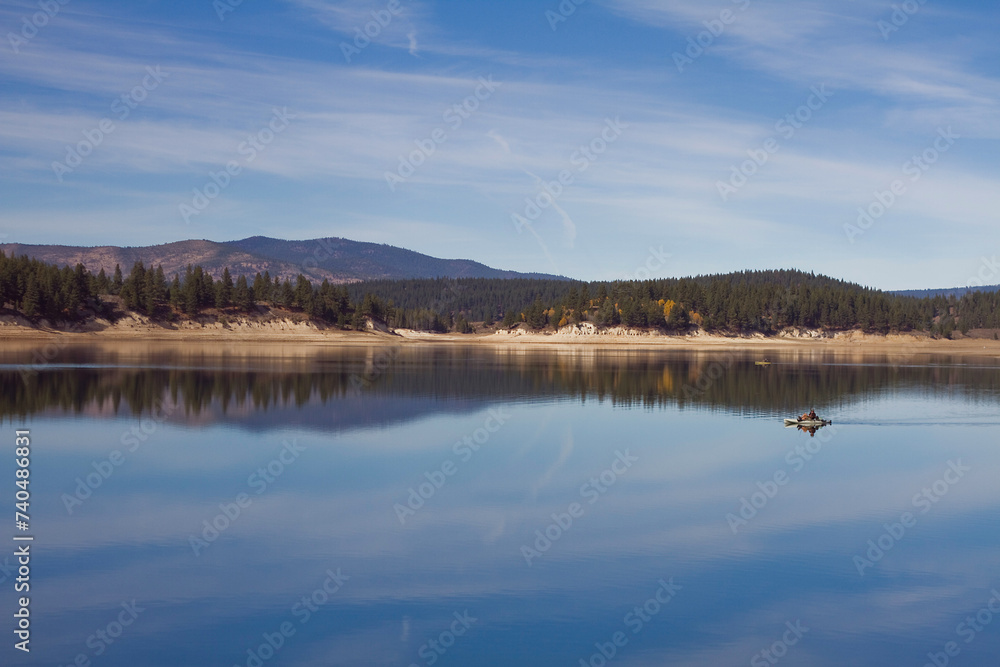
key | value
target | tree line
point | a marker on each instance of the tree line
(36, 289)
(743, 302)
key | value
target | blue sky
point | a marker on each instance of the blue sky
(311, 121)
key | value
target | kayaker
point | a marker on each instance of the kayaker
(812, 414)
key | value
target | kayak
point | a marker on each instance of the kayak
(808, 423)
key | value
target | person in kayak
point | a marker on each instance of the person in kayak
(808, 416)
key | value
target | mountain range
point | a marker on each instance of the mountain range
(957, 292)
(341, 261)
(335, 259)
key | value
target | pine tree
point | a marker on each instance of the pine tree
(72, 290)
(262, 287)
(102, 285)
(535, 315)
(678, 318)
(303, 292)
(117, 281)
(224, 290)
(176, 294)
(242, 296)
(30, 304)
(287, 293)
(604, 313)
(149, 299)
(206, 293)
(190, 290)
(373, 307)
(154, 291)
(81, 282)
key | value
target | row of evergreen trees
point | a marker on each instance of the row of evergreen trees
(40, 290)
(37, 289)
(761, 301)
(750, 301)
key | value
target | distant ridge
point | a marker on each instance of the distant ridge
(957, 292)
(335, 259)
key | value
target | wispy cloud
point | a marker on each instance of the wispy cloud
(355, 122)
(392, 24)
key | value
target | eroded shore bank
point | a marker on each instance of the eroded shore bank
(306, 334)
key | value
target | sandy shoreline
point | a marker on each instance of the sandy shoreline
(298, 333)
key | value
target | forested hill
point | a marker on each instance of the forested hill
(764, 301)
(471, 295)
(752, 301)
(334, 259)
(741, 302)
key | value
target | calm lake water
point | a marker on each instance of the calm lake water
(275, 505)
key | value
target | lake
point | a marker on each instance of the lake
(445, 505)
